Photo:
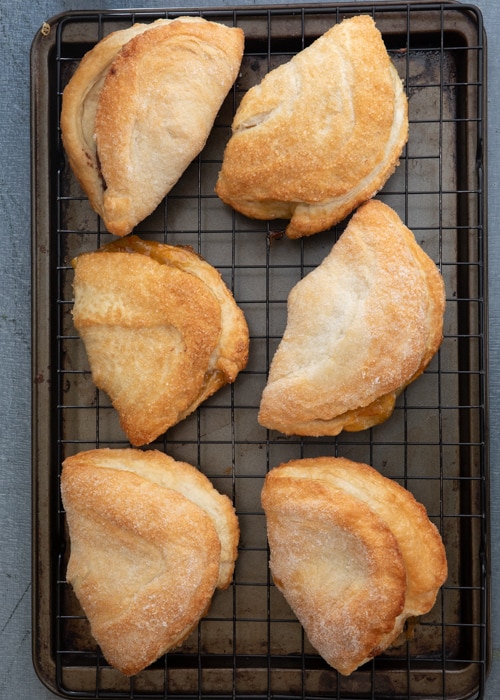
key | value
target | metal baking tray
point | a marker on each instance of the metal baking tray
(250, 645)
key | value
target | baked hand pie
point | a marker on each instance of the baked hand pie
(139, 109)
(151, 541)
(360, 327)
(354, 554)
(320, 134)
(161, 330)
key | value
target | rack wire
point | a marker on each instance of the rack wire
(250, 645)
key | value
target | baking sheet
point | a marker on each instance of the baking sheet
(435, 444)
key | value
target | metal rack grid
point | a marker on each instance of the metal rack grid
(435, 444)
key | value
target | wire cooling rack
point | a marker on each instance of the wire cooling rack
(250, 645)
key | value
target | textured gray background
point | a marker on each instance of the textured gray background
(19, 21)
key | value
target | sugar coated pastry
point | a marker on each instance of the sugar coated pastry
(139, 109)
(161, 329)
(354, 554)
(151, 541)
(361, 326)
(320, 134)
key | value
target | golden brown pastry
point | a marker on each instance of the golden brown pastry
(320, 134)
(161, 330)
(353, 553)
(151, 540)
(361, 326)
(139, 109)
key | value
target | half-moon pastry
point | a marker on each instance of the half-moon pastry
(320, 134)
(361, 326)
(147, 549)
(161, 330)
(354, 554)
(139, 109)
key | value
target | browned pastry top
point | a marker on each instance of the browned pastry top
(161, 330)
(320, 134)
(354, 554)
(361, 326)
(141, 106)
(145, 558)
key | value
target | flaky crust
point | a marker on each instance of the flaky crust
(361, 326)
(354, 554)
(161, 330)
(145, 557)
(141, 107)
(320, 134)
